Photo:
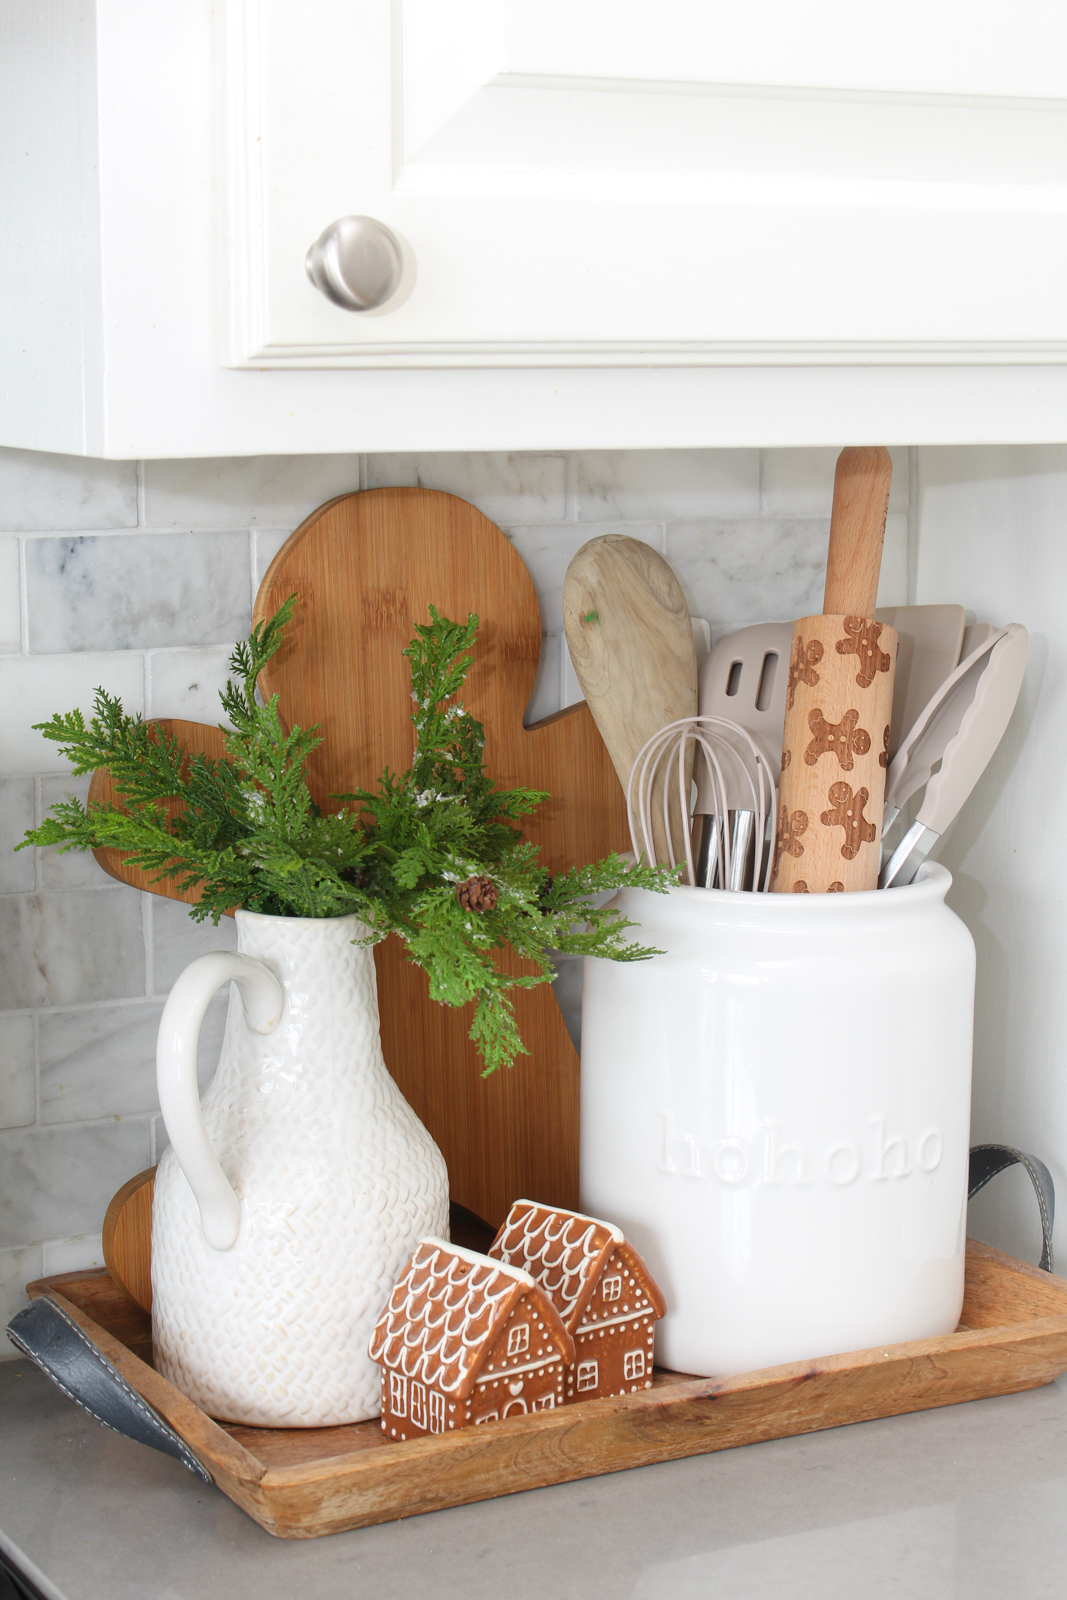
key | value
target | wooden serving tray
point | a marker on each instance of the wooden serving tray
(299, 1483)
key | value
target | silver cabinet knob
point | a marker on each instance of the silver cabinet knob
(356, 262)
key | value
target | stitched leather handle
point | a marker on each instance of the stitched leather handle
(989, 1159)
(59, 1347)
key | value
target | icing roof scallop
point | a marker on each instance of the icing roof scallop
(445, 1312)
(565, 1252)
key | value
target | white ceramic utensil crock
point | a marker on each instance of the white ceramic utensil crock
(290, 1198)
(776, 1111)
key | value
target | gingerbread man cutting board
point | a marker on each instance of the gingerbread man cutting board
(365, 569)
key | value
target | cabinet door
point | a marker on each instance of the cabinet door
(602, 182)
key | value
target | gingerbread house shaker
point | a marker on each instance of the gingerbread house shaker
(776, 1111)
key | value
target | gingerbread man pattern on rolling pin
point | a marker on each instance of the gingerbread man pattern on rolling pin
(787, 839)
(842, 739)
(802, 668)
(862, 642)
(883, 759)
(847, 813)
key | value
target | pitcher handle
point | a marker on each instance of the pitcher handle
(179, 1097)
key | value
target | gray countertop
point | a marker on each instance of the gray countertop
(967, 1501)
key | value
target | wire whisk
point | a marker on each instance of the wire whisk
(666, 756)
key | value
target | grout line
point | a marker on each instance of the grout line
(146, 934)
(36, 1072)
(140, 494)
(570, 487)
(109, 1120)
(24, 609)
(913, 524)
(38, 802)
(124, 1002)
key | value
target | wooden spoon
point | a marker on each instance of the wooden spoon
(631, 641)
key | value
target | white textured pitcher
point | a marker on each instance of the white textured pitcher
(288, 1202)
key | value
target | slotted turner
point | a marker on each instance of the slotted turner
(743, 678)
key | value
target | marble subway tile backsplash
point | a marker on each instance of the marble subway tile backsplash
(54, 1180)
(52, 494)
(18, 1090)
(33, 688)
(506, 488)
(624, 485)
(245, 492)
(10, 611)
(139, 577)
(67, 949)
(137, 591)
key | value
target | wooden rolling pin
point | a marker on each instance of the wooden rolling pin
(631, 641)
(839, 702)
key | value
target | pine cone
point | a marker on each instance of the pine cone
(477, 894)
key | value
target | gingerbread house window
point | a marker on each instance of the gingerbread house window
(398, 1394)
(418, 1405)
(588, 1373)
(612, 1288)
(519, 1339)
(633, 1365)
(437, 1412)
(547, 1402)
(490, 1416)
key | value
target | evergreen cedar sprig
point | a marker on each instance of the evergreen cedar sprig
(402, 858)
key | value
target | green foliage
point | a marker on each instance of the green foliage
(248, 833)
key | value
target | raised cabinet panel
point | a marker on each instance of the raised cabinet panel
(695, 183)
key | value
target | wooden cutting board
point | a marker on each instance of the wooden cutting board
(366, 568)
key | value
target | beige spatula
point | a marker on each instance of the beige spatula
(930, 639)
(631, 641)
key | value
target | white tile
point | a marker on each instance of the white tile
(893, 579)
(244, 491)
(177, 940)
(800, 483)
(544, 699)
(266, 544)
(16, 816)
(742, 572)
(504, 486)
(101, 1062)
(55, 1182)
(65, 949)
(160, 1140)
(98, 1062)
(186, 683)
(137, 591)
(10, 611)
(76, 1254)
(17, 1095)
(667, 484)
(51, 493)
(69, 869)
(548, 551)
(33, 688)
(18, 1267)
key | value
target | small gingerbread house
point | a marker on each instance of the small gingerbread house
(463, 1340)
(606, 1297)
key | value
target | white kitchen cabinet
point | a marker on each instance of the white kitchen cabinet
(620, 225)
